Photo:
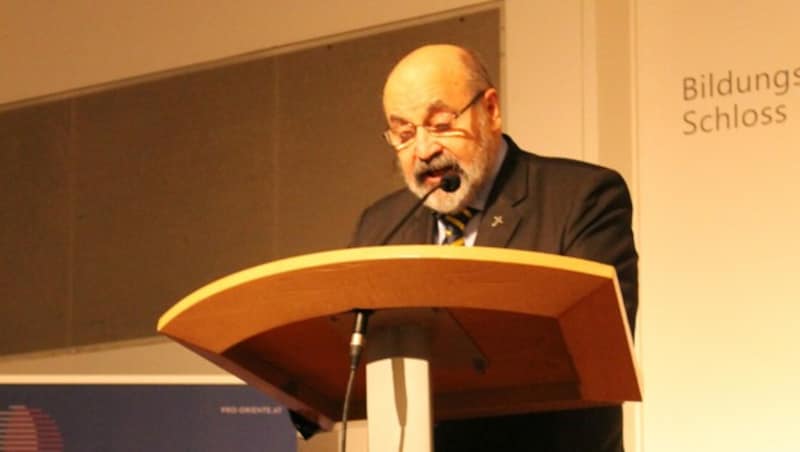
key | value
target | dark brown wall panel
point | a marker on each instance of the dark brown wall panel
(174, 189)
(35, 222)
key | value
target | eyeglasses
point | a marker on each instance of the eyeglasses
(440, 125)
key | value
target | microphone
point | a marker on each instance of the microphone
(449, 183)
(358, 338)
(357, 342)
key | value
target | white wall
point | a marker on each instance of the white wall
(544, 76)
(50, 47)
(719, 220)
(135, 359)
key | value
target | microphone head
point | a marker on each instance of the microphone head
(450, 182)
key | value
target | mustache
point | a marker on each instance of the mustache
(439, 163)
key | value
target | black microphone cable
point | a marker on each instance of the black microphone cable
(449, 183)
(357, 342)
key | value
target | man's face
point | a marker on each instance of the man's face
(470, 150)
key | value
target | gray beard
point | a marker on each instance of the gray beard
(471, 181)
(472, 177)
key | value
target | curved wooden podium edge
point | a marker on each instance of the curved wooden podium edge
(375, 253)
(317, 405)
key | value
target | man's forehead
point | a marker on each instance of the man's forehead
(405, 98)
(414, 104)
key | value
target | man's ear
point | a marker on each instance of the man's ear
(493, 108)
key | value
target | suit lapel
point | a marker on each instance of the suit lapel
(502, 215)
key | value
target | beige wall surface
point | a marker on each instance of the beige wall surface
(567, 89)
(544, 102)
(50, 47)
(719, 214)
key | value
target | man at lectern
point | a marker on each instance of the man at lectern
(445, 126)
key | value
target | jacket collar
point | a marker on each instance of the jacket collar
(502, 214)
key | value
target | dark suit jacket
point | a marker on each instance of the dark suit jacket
(551, 205)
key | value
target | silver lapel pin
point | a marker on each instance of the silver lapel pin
(497, 220)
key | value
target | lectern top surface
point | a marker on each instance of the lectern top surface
(344, 257)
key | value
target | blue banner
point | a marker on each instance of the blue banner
(124, 417)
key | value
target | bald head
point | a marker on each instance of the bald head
(440, 70)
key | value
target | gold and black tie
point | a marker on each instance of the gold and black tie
(455, 224)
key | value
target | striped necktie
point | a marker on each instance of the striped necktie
(455, 224)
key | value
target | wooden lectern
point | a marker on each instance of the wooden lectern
(505, 331)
